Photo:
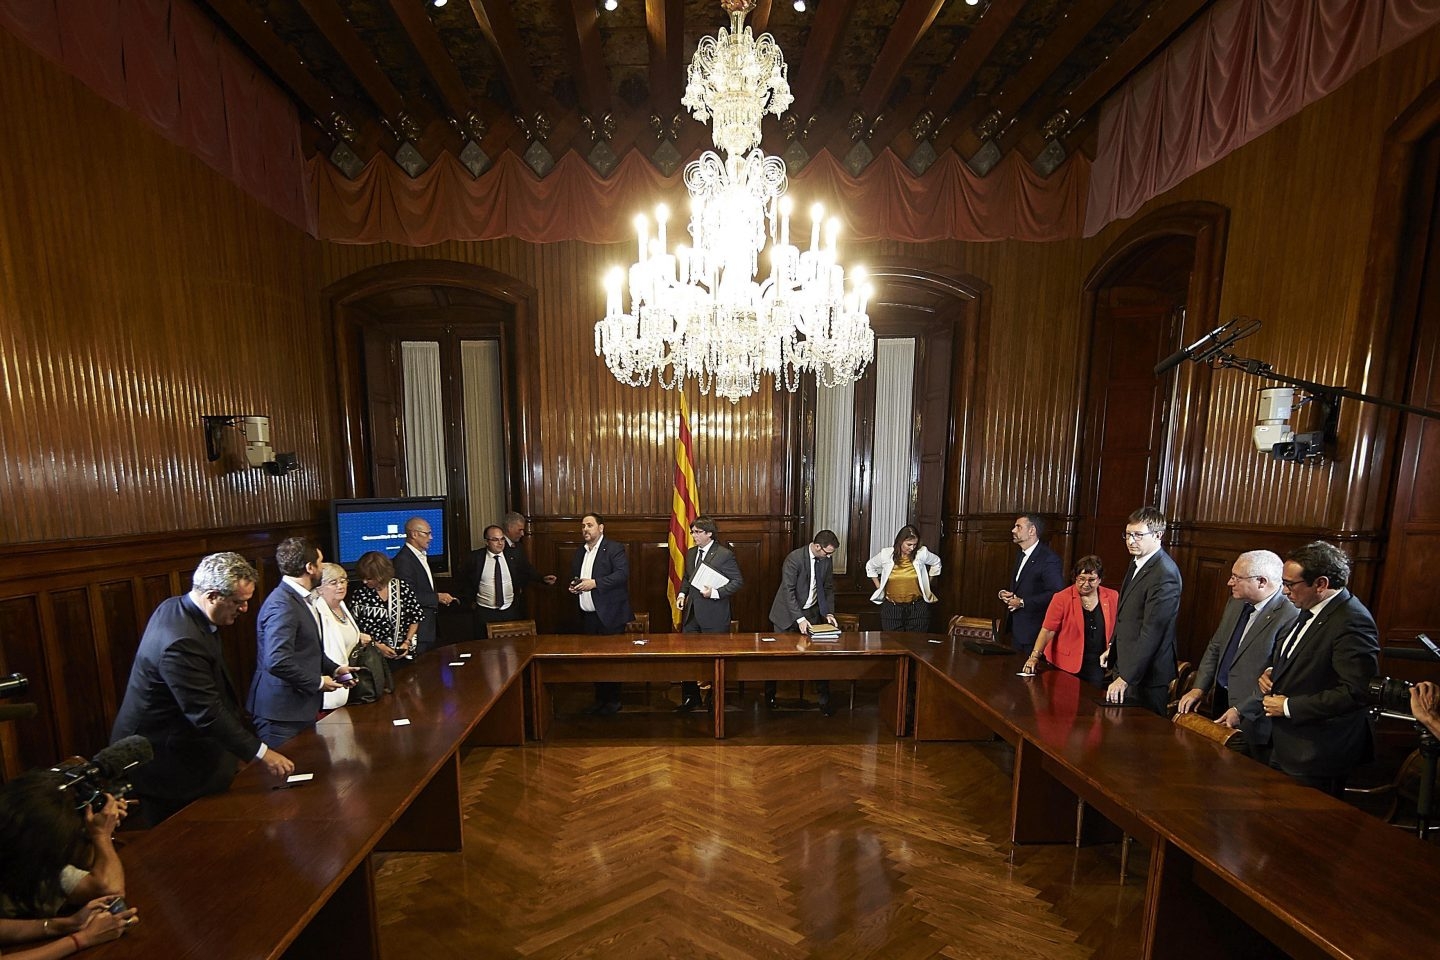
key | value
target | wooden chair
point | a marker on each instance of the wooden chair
(641, 623)
(1184, 680)
(849, 623)
(510, 628)
(972, 628)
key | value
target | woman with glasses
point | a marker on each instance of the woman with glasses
(901, 574)
(339, 632)
(385, 606)
(1078, 625)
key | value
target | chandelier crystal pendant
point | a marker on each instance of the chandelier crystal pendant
(702, 311)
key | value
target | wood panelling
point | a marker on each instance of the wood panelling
(140, 291)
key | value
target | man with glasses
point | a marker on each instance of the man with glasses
(412, 564)
(499, 574)
(705, 608)
(1315, 687)
(181, 698)
(1143, 648)
(806, 596)
(1258, 611)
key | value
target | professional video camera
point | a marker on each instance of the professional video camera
(90, 780)
(1387, 696)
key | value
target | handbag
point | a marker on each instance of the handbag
(371, 672)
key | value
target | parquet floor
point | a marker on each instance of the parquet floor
(635, 837)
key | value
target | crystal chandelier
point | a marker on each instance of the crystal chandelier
(701, 311)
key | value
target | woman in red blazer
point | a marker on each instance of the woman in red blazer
(1078, 625)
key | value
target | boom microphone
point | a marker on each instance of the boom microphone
(1180, 356)
(121, 755)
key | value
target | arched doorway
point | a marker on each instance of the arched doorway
(1140, 436)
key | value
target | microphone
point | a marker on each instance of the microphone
(121, 755)
(1180, 356)
(15, 683)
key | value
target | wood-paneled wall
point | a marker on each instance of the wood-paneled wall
(141, 291)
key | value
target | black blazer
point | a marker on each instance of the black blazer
(1037, 583)
(409, 569)
(611, 573)
(180, 697)
(522, 573)
(1143, 646)
(794, 590)
(710, 614)
(1327, 733)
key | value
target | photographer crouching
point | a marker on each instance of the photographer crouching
(57, 853)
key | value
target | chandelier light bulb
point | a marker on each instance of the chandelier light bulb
(799, 6)
(612, 5)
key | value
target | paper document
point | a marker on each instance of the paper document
(708, 576)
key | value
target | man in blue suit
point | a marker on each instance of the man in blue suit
(1034, 579)
(180, 696)
(600, 578)
(291, 669)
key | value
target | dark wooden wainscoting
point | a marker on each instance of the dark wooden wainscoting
(71, 616)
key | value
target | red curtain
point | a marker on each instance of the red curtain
(573, 202)
(166, 62)
(1241, 69)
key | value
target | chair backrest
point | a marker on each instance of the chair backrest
(1206, 727)
(734, 626)
(510, 628)
(972, 628)
(641, 623)
(1184, 680)
(847, 622)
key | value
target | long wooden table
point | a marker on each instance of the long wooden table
(1315, 876)
(260, 872)
(716, 659)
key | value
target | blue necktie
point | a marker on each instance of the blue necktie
(1228, 660)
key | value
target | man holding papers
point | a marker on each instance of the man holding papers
(711, 578)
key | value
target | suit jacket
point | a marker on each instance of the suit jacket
(1253, 655)
(710, 614)
(1143, 646)
(289, 659)
(611, 573)
(1327, 733)
(522, 574)
(1036, 584)
(180, 697)
(789, 605)
(409, 569)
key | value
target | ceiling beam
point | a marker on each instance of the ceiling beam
(588, 56)
(498, 25)
(278, 58)
(914, 20)
(426, 41)
(820, 47)
(665, 32)
(971, 55)
(330, 20)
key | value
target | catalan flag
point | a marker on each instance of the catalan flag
(684, 506)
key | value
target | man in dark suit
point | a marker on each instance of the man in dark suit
(291, 669)
(180, 696)
(1315, 688)
(705, 609)
(1143, 644)
(1258, 612)
(412, 564)
(806, 596)
(1034, 579)
(499, 574)
(600, 579)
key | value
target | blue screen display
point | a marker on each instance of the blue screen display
(365, 525)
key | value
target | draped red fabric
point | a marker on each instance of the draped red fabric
(573, 202)
(164, 61)
(1241, 69)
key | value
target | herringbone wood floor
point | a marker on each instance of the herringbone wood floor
(670, 845)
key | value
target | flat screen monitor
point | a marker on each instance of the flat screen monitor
(379, 524)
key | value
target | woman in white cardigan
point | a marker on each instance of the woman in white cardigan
(338, 632)
(902, 575)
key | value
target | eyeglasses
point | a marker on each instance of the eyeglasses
(1087, 578)
(1132, 537)
(334, 583)
(1288, 584)
(494, 539)
(1235, 579)
(423, 533)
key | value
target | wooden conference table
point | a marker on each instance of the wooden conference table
(260, 872)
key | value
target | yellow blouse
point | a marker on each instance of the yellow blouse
(904, 583)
